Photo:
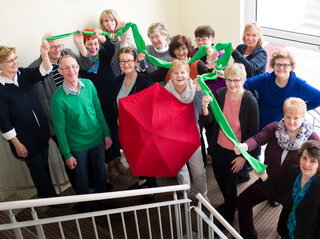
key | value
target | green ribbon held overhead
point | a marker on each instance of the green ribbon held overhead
(224, 125)
(221, 63)
(141, 46)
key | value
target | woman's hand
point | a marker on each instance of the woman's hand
(123, 37)
(141, 56)
(195, 81)
(212, 53)
(21, 150)
(19, 147)
(44, 48)
(101, 38)
(71, 162)
(263, 175)
(237, 164)
(78, 40)
(212, 56)
(220, 73)
(205, 103)
(242, 146)
(108, 142)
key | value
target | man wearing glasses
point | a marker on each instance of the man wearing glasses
(81, 129)
(46, 88)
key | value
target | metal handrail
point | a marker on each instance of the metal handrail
(209, 220)
(39, 224)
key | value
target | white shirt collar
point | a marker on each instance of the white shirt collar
(5, 80)
(166, 48)
(68, 90)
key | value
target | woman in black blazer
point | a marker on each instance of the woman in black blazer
(127, 84)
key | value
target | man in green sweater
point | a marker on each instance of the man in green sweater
(80, 127)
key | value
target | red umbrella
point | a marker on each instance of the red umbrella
(158, 133)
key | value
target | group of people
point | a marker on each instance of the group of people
(74, 99)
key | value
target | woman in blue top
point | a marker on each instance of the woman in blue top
(274, 88)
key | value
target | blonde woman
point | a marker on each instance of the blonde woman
(22, 120)
(283, 139)
(241, 111)
(188, 92)
(110, 22)
(251, 53)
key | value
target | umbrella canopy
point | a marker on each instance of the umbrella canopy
(158, 133)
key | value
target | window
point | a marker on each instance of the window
(293, 20)
(293, 25)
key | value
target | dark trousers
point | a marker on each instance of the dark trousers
(97, 161)
(249, 198)
(40, 173)
(111, 118)
(226, 179)
(69, 172)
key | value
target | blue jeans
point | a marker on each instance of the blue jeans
(97, 160)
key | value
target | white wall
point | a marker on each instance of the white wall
(224, 16)
(23, 23)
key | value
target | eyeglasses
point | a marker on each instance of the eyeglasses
(73, 67)
(12, 60)
(129, 62)
(237, 81)
(202, 39)
(54, 47)
(285, 66)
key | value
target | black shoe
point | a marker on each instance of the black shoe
(137, 186)
(109, 187)
(274, 204)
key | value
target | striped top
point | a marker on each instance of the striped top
(58, 79)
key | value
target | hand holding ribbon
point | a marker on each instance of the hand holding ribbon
(218, 114)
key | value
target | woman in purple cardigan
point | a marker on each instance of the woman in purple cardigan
(283, 139)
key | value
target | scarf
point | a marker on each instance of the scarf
(297, 196)
(95, 65)
(284, 140)
(187, 96)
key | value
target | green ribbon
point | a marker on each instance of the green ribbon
(224, 125)
(141, 46)
(221, 63)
